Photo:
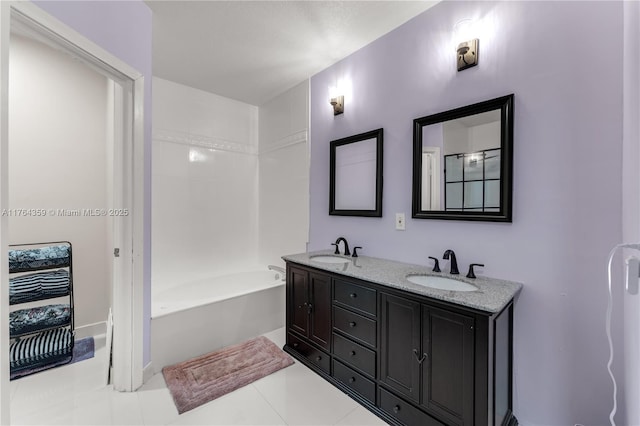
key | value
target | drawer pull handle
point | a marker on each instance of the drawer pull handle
(353, 295)
(352, 324)
(396, 408)
(353, 353)
(295, 345)
(419, 359)
(352, 379)
(318, 358)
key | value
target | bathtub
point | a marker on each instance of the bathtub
(201, 316)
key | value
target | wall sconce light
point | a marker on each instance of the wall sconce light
(465, 35)
(338, 105)
(467, 53)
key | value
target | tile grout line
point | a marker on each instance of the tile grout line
(269, 403)
(346, 415)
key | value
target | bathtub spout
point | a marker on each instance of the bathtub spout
(278, 269)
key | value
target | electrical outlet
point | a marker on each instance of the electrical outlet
(400, 221)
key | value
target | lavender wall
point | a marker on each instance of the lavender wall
(631, 203)
(124, 29)
(563, 62)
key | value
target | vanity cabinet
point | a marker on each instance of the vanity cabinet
(309, 310)
(409, 358)
(427, 356)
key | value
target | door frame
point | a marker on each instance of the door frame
(128, 285)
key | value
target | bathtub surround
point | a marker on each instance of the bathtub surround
(205, 192)
(567, 194)
(230, 195)
(283, 179)
(230, 182)
(208, 377)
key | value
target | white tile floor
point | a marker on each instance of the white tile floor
(76, 395)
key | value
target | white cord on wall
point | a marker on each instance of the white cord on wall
(608, 326)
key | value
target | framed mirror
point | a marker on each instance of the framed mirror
(355, 187)
(463, 163)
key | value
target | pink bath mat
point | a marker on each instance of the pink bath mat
(207, 377)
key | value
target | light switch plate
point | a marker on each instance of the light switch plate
(400, 225)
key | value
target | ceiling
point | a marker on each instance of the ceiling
(253, 51)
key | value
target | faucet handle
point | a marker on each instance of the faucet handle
(470, 274)
(337, 250)
(436, 266)
(355, 251)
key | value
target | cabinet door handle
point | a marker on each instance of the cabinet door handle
(352, 324)
(352, 379)
(353, 295)
(295, 345)
(307, 305)
(353, 353)
(396, 408)
(419, 359)
(318, 358)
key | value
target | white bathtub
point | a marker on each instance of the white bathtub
(201, 316)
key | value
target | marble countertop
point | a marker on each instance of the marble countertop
(492, 294)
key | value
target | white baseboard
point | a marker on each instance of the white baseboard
(88, 330)
(147, 372)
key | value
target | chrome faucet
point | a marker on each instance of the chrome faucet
(454, 262)
(278, 269)
(346, 246)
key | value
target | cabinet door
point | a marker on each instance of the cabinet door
(400, 367)
(447, 376)
(320, 299)
(298, 288)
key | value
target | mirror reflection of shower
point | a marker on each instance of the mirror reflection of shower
(461, 164)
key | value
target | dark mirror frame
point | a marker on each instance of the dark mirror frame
(505, 105)
(377, 211)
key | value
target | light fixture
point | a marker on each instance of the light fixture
(338, 105)
(467, 53)
(465, 34)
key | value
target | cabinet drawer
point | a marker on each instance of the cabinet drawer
(355, 355)
(356, 297)
(354, 325)
(355, 381)
(404, 412)
(315, 356)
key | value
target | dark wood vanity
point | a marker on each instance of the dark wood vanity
(408, 358)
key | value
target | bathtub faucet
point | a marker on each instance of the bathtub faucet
(346, 246)
(278, 269)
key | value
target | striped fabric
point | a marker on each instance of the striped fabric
(37, 286)
(44, 257)
(40, 347)
(55, 283)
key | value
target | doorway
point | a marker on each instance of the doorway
(126, 196)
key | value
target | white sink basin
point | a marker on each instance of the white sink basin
(329, 259)
(441, 283)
